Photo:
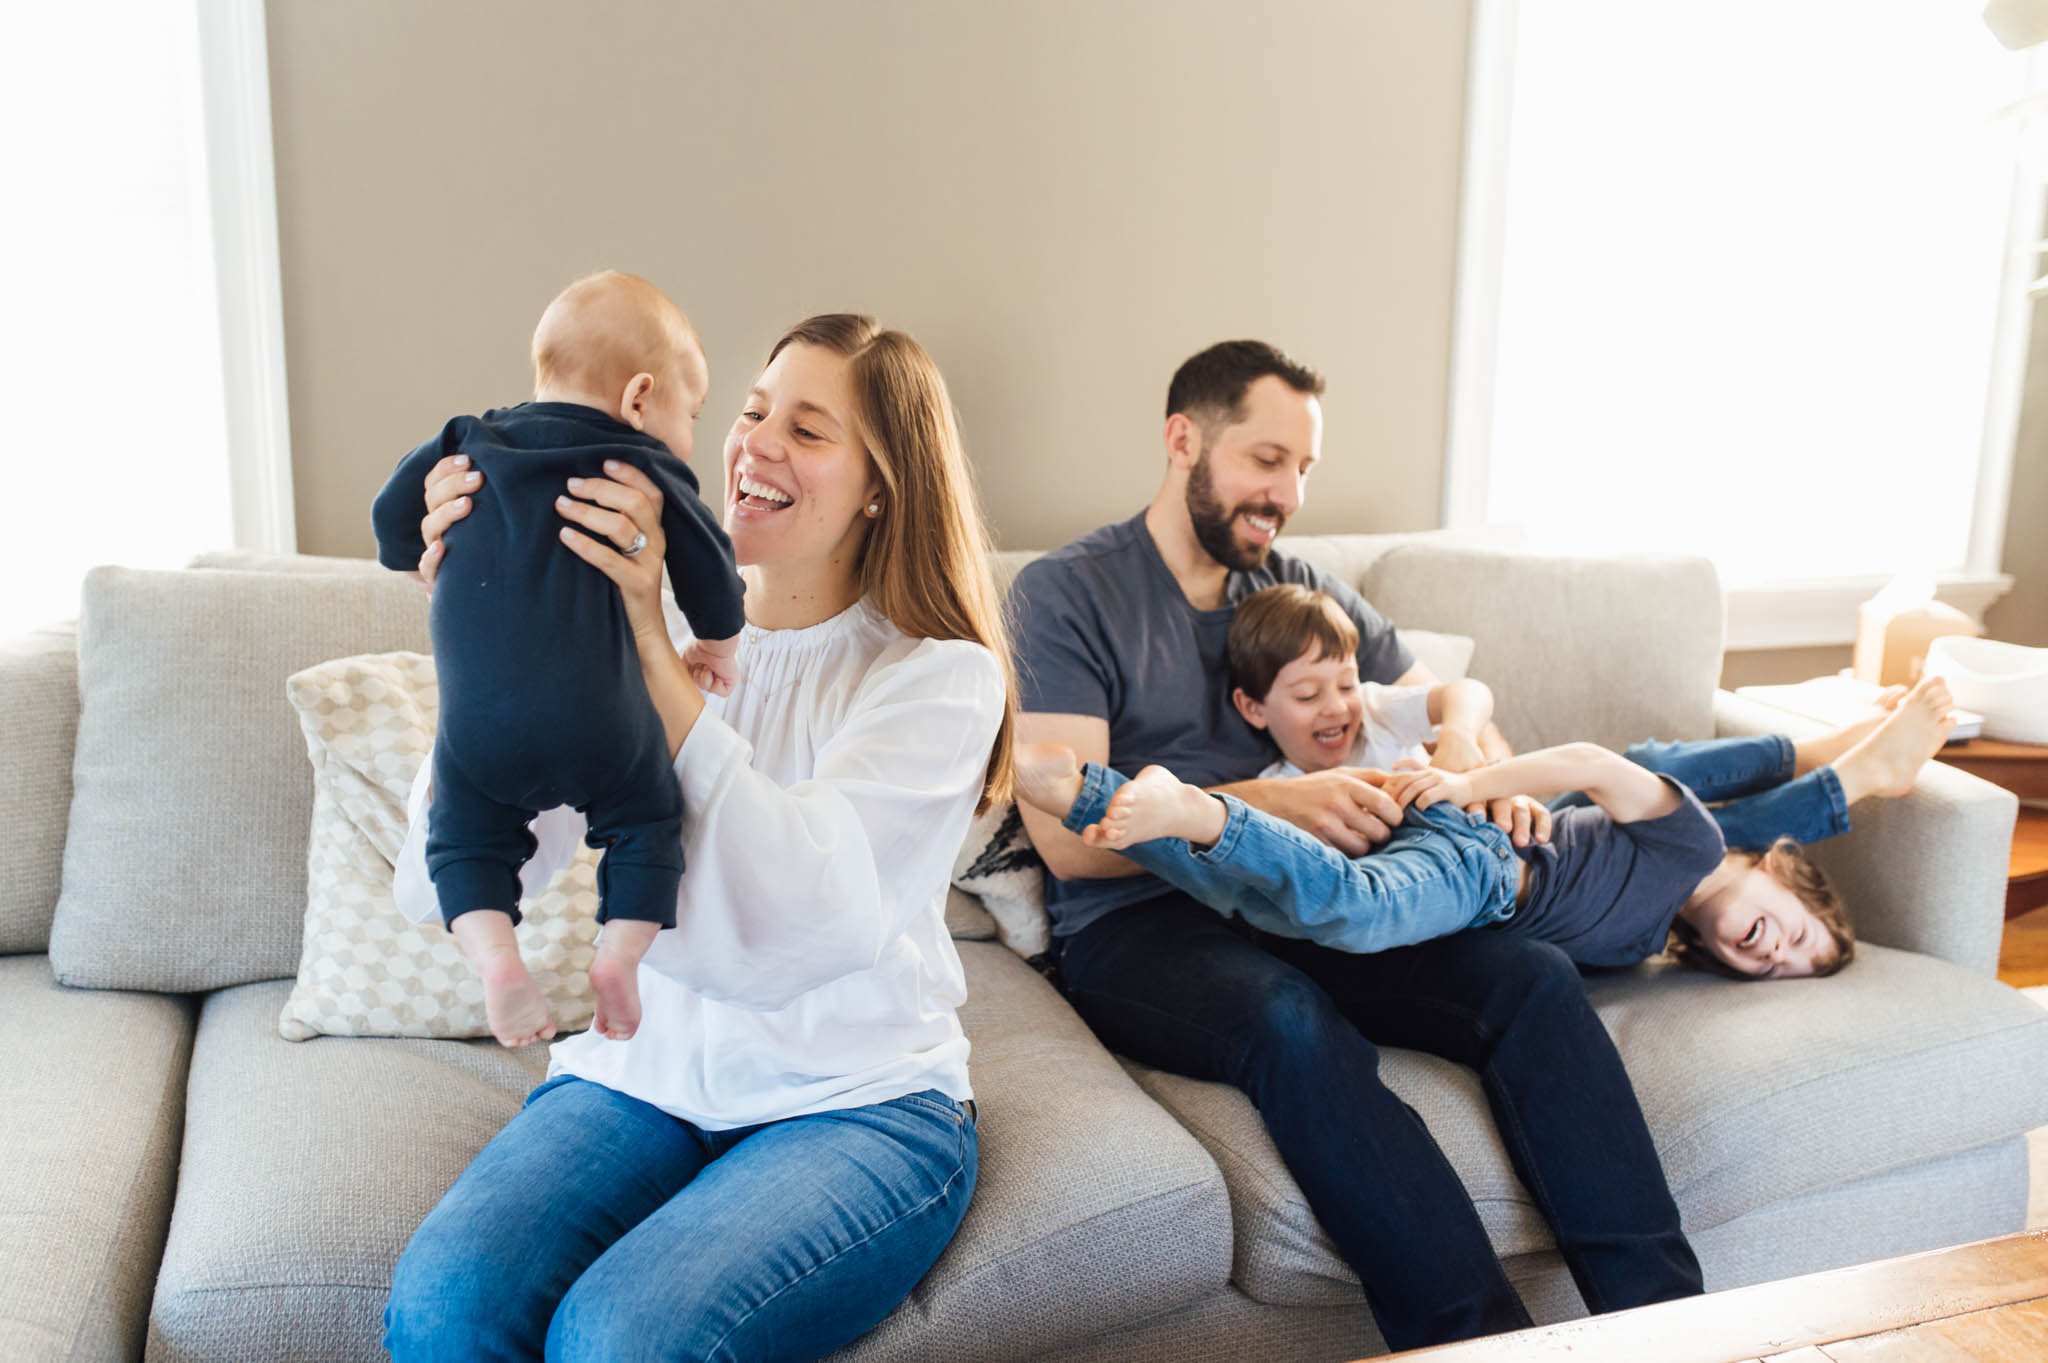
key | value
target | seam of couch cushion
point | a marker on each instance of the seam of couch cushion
(173, 1093)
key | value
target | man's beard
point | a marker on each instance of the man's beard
(1213, 524)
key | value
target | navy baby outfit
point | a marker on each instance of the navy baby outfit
(542, 701)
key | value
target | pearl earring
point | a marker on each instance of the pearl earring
(874, 508)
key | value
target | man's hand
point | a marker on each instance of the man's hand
(1523, 818)
(1343, 807)
(1457, 750)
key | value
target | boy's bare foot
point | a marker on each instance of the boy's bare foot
(1157, 804)
(1887, 760)
(1048, 777)
(513, 1004)
(517, 1010)
(615, 976)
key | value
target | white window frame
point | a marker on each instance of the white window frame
(1787, 614)
(234, 66)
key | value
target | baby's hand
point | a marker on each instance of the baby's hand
(1427, 786)
(1456, 751)
(713, 665)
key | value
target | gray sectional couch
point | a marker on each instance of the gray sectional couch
(183, 1184)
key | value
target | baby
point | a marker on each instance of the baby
(542, 701)
(1645, 864)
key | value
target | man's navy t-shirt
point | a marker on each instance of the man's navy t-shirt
(1606, 892)
(1103, 629)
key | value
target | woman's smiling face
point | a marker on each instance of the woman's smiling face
(797, 480)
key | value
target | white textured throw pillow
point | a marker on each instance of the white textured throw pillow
(365, 970)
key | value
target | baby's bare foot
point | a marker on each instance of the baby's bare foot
(1888, 760)
(513, 1003)
(615, 976)
(1048, 777)
(1157, 804)
(616, 984)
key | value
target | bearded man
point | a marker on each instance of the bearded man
(1121, 657)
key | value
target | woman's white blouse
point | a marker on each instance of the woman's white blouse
(823, 803)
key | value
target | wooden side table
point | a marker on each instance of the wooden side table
(2021, 768)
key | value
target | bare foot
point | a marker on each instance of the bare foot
(1048, 777)
(1888, 760)
(517, 1010)
(615, 976)
(513, 1004)
(1818, 752)
(1157, 804)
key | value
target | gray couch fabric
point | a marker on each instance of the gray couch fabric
(38, 731)
(191, 795)
(306, 1167)
(95, 1099)
(1565, 643)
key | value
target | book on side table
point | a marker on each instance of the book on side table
(1843, 699)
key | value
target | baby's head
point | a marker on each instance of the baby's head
(1294, 673)
(1778, 919)
(615, 342)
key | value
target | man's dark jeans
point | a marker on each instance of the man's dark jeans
(1298, 1028)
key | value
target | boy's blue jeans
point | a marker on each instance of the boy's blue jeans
(597, 1226)
(1442, 871)
(1749, 787)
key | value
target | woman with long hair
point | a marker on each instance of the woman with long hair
(787, 1143)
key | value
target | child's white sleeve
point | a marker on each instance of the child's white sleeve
(1401, 713)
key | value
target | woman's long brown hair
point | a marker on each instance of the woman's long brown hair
(925, 562)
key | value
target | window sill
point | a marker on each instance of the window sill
(1822, 612)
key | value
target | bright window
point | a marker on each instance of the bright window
(115, 445)
(1752, 258)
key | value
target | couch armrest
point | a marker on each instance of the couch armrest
(38, 732)
(1924, 872)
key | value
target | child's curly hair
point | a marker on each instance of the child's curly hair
(1787, 864)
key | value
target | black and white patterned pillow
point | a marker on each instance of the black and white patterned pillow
(998, 865)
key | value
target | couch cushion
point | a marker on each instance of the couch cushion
(1754, 1094)
(90, 1127)
(1094, 1207)
(38, 727)
(185, 860)
(308, 1165)
(1607, 649)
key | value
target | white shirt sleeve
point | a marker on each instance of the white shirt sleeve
(791, 887)
(558, 833)
(1401, 713)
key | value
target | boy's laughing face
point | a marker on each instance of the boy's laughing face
(1314, 711)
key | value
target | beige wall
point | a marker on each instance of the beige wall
(1061, 200)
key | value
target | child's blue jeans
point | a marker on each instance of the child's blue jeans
(1442, 871)
(1749, 788)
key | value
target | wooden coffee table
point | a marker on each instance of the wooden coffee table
(1987, 1301)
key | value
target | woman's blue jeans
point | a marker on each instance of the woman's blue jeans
(597, 1226)
(1441, 871)
(1748, 786)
